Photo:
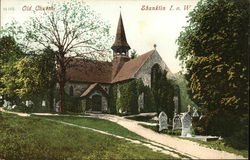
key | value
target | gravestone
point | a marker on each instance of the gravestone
(141, 102)
(177, 122)
(6, 104)
(57, 106)
(28, 103)
(43, 103)
(186, 122)
(189, 108)
(14, 106)
(175, 99)
(163, 121)
(195, 113)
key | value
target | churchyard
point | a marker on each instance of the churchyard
(24, 138)
(71, 94)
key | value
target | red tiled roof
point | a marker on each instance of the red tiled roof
(130, 68)
(101, 72)
(89, 71)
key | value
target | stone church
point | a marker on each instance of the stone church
(93, 80)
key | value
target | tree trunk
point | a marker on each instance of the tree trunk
(51, 98)
(62, 97)
(62, 77)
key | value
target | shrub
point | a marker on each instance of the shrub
(73, 104)
(149, 102)
(239, 140)
(231, 126)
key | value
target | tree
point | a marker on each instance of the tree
(27, 76)
(164, 92)
(72, 30)
(133, 54)
(9, 52)
(213, 48)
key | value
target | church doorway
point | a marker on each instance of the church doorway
(96, 103)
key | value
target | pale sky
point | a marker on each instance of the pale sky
(143, 28)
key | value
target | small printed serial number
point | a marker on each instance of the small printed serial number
(8, 9)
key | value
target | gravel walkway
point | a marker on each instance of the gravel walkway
(182, 146)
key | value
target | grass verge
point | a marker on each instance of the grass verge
(36, 138)
(100, 124)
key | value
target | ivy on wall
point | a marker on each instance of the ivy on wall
(127, 98)
(124, 98)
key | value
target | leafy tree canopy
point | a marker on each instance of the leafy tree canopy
(213, 48)
(72, 30)
(9, 50)
(28, 75)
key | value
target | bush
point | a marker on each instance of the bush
(239, 140)
(231, 126)
(74, 104)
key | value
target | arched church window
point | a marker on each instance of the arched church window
(156, 72)
(71, 91)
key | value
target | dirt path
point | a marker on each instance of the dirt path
(182, 146)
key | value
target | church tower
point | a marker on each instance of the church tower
(120, 49)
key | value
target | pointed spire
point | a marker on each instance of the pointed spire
(120, 45)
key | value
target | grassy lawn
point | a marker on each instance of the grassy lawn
(39, 139)
(100, 124)
(218, 145)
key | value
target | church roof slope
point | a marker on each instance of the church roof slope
(91, 88)
(130, 68)
(88, 90)
(89, 71)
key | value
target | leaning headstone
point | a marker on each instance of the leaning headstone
(163, 121)
(14, 106)
(186, 121)
(177, 122)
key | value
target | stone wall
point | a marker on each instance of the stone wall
(145, 71)
(78, 88)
